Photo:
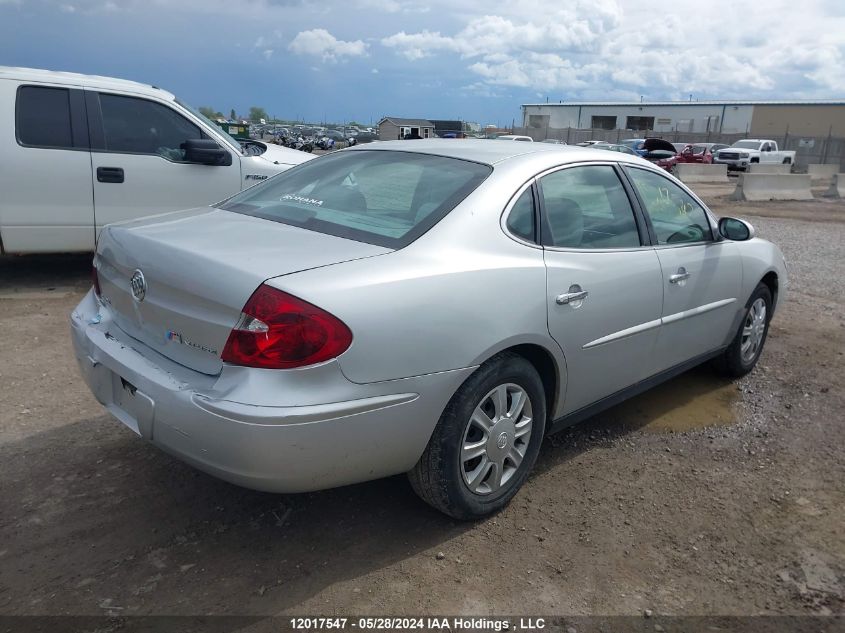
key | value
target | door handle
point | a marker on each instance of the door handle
(571, 297)
(110, 174)
(679, 277)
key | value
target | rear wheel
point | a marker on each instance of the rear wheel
(486, 441)
(744, 351)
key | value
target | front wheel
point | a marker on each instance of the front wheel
(744, 351)
(486, 441)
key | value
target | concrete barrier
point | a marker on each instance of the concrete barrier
(769, 168)
(762, 187)
(837, 187)
(699, 172)
(822, 172)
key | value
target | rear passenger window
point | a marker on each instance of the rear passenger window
(42, 117)
(587, 207)
(521, 218)
(139, 126)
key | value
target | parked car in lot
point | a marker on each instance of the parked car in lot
(514, 137)
(79, 152)
(614, 147)
(699, 153)
(588, 143)
(309, 332)
(749, 151)
(635, 144)
(661, 153)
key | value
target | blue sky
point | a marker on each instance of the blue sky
(465, 59)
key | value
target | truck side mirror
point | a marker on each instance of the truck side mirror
(735, 230)
(205, 151)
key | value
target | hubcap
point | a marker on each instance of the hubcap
(496, 438)
(753, 330)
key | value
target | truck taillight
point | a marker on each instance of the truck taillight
(279, 331)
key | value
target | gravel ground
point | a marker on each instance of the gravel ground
(700, 497)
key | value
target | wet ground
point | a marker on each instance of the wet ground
(699, 497)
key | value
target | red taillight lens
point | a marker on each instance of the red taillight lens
(280, 331)
(95, 279)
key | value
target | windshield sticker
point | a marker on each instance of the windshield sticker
(294, 198)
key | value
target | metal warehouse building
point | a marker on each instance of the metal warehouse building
(751, 118)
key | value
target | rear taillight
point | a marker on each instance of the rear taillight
(95, 279)
(279, 331)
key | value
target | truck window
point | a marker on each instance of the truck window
(139, 126)
(42, 117)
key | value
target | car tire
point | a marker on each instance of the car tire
(442, 478)
(744, 351)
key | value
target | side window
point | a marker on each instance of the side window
(42, 117)
(521, 218)
(587, 207)
(139, 126)
(675, 215)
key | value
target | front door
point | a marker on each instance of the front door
(139, 168)
(604, 285)
(701, 276)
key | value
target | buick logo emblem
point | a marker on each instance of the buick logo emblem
(502, 440)
(138, 285)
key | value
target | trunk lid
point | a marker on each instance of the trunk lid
(658, 144)
(199, 267)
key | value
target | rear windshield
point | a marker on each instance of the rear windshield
(385, 198)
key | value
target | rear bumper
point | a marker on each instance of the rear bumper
(260, 428)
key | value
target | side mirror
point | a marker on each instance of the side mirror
(735, 230)
(206, 152)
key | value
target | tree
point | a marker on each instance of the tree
(232, 115)
(256, 114)
(209, 112)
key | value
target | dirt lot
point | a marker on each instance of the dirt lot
(700, 497)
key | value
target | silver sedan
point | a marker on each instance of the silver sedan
(424, 307)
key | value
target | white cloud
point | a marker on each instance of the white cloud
(643, 48)
(267, 53)
(321, 43)
(415, 46)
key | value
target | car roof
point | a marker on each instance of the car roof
(39, 75)
(491, 153)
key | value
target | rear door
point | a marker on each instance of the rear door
(46, 198)
(701, 277)
(604, 285)
(138, 166)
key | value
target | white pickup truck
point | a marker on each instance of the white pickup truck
(753, 150)
(79, 152)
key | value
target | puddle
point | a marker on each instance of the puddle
(694, 400)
